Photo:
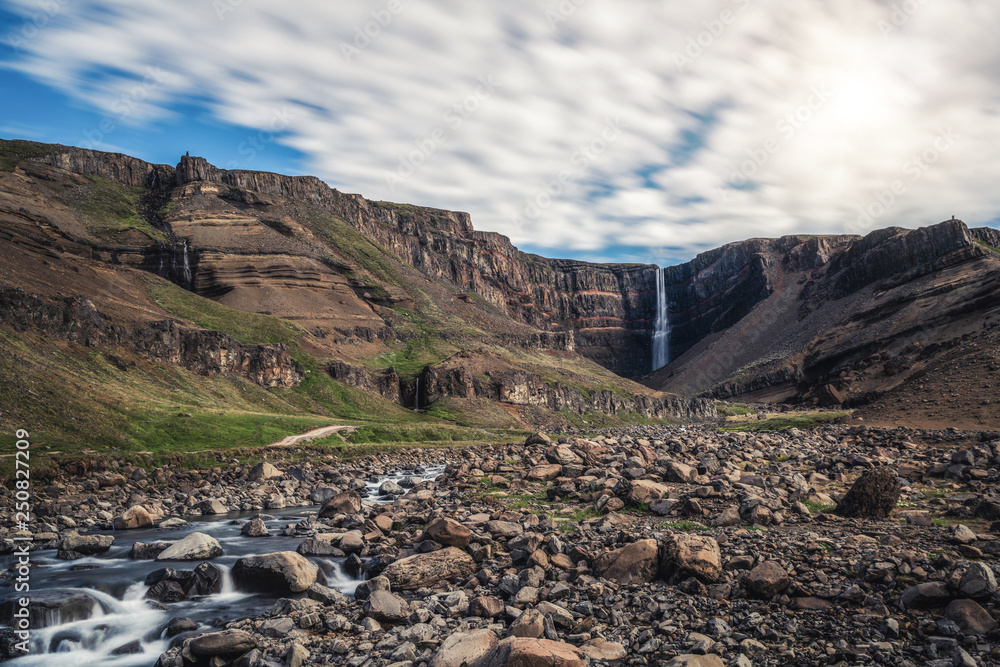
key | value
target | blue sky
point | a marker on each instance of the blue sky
(625, 131)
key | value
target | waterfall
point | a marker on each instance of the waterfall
(661, 327)
(416, 395)
(186, 264)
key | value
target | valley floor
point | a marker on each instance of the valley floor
(644, 546)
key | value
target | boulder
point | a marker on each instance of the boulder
(427, 570)
(169, 590)
(989, 509)
(263, 470)
(635, 563)
(486, 606)
(345, 502)
(87, 545)
(561, 617)
(928, 594)
(873, 496)
(207, 580)
(562, 455)
(692, 660)
(322, 493)
(544, 472)
(962, 534)
(180, 624)
(390, 488)
(529, 624)
(325, 596)
(133, 518)
(52, 607)
(646, 491)
(255, 527)
(978, 581)
(685, 555)
(529, 652)
(970, 617)
(147, 550)
(212, 506)
(352, 542)
(447, 532)
(461, 649)
(366, 588)
(386, 607)
(602, 649)
(678, 472)
(226, 643)
(767, 580)
(505, 529)
(314, 546)
(538, 438)
(282, 573)
(196, 546)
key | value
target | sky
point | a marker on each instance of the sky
(622, 130)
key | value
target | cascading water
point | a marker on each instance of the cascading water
(186, 264)
(174, 263)
(661, 327)
(94, 610)
(416, 395)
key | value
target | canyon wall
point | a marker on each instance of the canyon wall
(460, 377)
(603, 311)
(204, 352)
(608, 307)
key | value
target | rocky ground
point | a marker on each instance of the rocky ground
(643, 546)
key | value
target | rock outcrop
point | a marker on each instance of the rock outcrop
(203, 352)
(604, 311)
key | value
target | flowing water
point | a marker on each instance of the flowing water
(661, 327)
(185, 265)
(110, 611)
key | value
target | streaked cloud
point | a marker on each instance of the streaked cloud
(737, 118)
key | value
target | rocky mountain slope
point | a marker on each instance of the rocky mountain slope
(840, 320)
(413, 306)
(120, 268)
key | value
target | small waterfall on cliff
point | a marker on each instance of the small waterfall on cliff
(661, 327)
(186, 262)
(416, 395)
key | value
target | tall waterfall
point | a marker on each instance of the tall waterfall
(416, 395)
(186, 269)
(661, 327)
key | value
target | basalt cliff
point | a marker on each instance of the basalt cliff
(901, 324)
(289, 284)
(277, 280)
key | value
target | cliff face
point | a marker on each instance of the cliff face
(718, 288)
(829, 320)
(471, 374)
(204, 352)
(762, 317)
(608, 307)
(518, 387)
(362, 280)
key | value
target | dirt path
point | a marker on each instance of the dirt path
(322, 432)
(287, 441)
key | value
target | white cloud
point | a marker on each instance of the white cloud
(809, 165)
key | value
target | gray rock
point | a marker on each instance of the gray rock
(461, 649)
(87, 545)
(255, 527)
(282, 573)
(196, 546)
(386, 607)
(227, 643)
(977, 581)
